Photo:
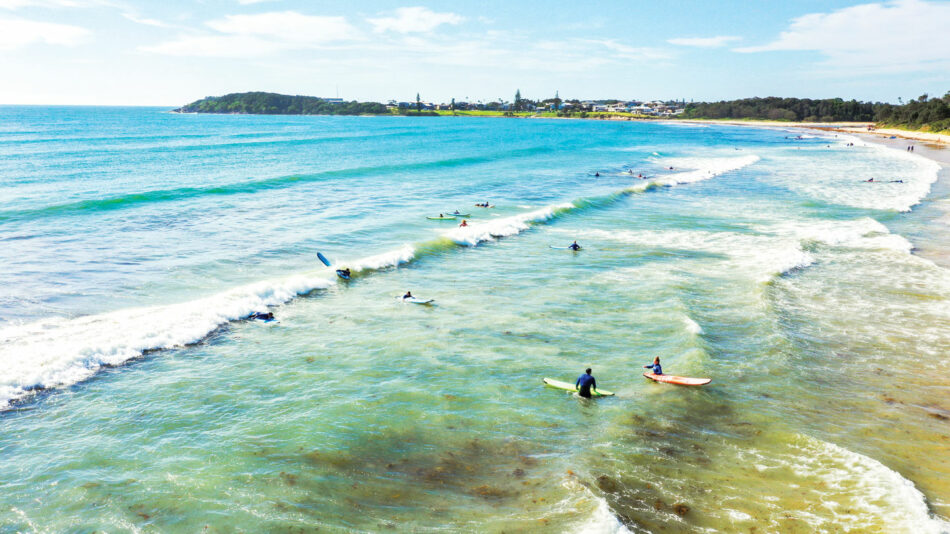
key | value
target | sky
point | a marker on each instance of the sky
(125, 52)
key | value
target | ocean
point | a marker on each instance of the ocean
(137, 397)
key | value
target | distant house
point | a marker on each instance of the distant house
(333, 100)
(617, 108)
(599, 107)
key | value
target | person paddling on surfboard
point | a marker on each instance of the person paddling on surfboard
(657, 370)
(408, 295)
(345, 272)
(574, 246)
(585, 383)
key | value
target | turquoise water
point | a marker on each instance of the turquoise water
(137, 399)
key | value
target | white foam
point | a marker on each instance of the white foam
(393, 258)
(856, 488)
(58, 352)
(702, 168)
(691, 325)
(758, 256)
(862, 233)
(479, 232)
(842, 179)
(602, 521)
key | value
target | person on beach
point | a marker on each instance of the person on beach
(585, 383)
(408, 295)
(464, 223)
(574, 246)
(657, 370)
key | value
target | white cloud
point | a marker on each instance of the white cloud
(704, 42)
(17, 32)
(145, 21)
(287, 27)
(414, 19)
(234, 46)
(249, 2)
(259, 35)
(17, 4)
(895, 36)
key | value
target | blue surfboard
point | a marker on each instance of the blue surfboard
(341, 274)
(323, 259)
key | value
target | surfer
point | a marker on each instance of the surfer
(597, 174)
(457, 212)
(574, 246)
(464, 223)
(345, 272)
(408, 295)
(584, 384)
(871, 179)
(657, 370)
(261, 316)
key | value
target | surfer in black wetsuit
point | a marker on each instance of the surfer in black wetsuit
(584, 384)
(345, 272)
(574, 246)
(408, 295)
(268, 316)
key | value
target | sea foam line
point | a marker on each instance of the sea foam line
(59, 352)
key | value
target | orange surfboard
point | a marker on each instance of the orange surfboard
(678, 380)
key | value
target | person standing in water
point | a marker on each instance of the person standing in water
(585, 383)
(574, 246)
(657, 370)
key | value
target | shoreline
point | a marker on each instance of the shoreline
(859, 128)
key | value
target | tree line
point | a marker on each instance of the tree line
(260, 103)
(921, 113)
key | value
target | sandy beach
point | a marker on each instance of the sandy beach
(846, 127)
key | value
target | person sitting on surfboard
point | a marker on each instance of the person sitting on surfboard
(584, 384)
(408, 295)
(657, 370)
(574, 246)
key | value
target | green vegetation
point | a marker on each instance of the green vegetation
(259, 103)
(924, 113)
(783, 109)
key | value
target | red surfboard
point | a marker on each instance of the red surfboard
(678, 380)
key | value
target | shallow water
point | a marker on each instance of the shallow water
(136, 398)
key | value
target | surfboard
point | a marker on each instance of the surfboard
(571, 387)
(678, 380)
(460, 214)
(342, 275)
(562, 248)
(323, 259)
(441, 218)
(415, 300)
